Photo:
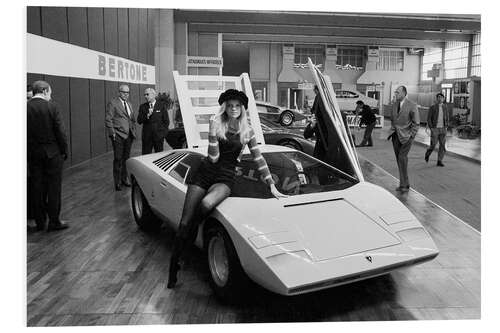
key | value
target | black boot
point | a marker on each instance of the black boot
(172, 273)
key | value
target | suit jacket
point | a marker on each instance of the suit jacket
(118, 121)
(367, 115)
(432, 116)
(156, 127)
(407, 122)
(46, 133)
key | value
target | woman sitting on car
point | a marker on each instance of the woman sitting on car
(229, 132)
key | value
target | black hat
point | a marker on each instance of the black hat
(360, 102)
(234, 94)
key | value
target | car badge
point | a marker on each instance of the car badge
(369, 258)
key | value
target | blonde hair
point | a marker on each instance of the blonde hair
(221, 123)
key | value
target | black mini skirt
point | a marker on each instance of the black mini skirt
(209, 173)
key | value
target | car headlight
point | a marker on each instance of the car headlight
(411, 234)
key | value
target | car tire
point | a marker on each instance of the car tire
(144, 216)
(291, 144)
(286, 118)
(227, 277)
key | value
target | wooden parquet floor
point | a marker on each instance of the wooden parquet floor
(104, 271)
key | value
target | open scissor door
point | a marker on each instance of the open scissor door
(341, 152)
(198, 99)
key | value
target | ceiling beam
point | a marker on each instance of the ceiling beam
(330, 40)
(327, 31)
(424, 22)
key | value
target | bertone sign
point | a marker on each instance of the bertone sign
(63, 59)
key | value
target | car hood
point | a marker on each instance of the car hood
(325, 225)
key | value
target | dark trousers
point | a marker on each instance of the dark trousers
(46, 178)
(438, 134)
(367, 137)
(148, 145)
(401, 151)
(121, 149)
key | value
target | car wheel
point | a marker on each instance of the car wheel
(291, 144)
(286, 118)
(227, 277)
(144, 216)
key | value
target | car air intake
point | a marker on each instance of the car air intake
(167, 161)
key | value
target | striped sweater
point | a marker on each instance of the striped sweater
(214, 154)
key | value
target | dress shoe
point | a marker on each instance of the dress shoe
(398, 188)
(440, 164)
(404, 189)
(57, 226)
(427, 154)
(118, 187)
(172, 275)
(126, 183)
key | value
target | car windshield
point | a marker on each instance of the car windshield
(294, 173)
(269, 123)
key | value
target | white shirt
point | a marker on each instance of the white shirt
(127, 108)
(440, 123)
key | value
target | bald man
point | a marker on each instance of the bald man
(153, 115)
(120, 125)
(405, 122)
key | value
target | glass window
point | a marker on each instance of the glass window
(455, 59)
(431, 56)
(352, 56)
(187, 165)
(260, 90)
(475, 69)
(315, 52)
(295, 173)
(391, 60)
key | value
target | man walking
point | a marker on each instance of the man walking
(153, 115)
(367, 118)
(47, 149)
(405, 122)
(437, 120)
(120, 124)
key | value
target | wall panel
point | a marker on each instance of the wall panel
(151, 38)
(55, 23)
(33, 19)
(111, 31)
(96, 29)
(123, 32)
(77, 26)
(80, 120)
(97, 105)
(133, 32)
(143, 35)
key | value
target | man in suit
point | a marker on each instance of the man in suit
(47, 149)
(437, 120)
(153, 115)
(120, 124)
(405, 122)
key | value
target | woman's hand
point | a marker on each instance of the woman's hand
(277, 194)
(211, 126)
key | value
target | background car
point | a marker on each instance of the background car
(285, 117)
(273, 134)
(347, 100)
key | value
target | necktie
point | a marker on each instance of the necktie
(150, 105)
(399, 107)
(126, 108)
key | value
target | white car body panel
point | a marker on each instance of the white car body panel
(304, 242)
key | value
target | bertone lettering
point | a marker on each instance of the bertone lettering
(113, 67)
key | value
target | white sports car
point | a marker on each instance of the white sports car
(334, 228)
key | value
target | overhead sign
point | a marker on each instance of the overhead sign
(193, 61)
(48, 56)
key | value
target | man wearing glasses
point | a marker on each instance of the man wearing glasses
(120, 124)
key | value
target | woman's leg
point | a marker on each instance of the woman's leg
(215, 195)
(187, 226)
